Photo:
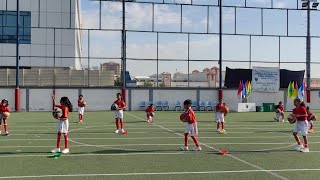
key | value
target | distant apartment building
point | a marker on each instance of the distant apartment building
(111, 66)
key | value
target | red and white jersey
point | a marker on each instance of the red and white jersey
(309, 115)
(220, 107)
(65, 111)
(80, 102)
(300, 111)
(191, 116)
(4, 109)
(121, 104)
(281, 108)
(149, 110)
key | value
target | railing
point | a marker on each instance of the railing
(57, 77)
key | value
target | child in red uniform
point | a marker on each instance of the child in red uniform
(4, 115)
(150, 113)
(311, 118)
(63, 122)
(300, 114)
(81, 105)
(279, 109)
(220, 116)
(119, 114)
(191, 126)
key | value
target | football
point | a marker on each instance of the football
(225, 110)
(84, 104)
(57, 113)
(6, 114)
(291, 119)
(183, 117)
(114, 107)
(313, 117)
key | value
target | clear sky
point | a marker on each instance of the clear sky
(107, 44)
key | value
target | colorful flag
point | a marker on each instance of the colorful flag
(240, 90)
(301, 92)
(244, 90)
(290, 90)
(295, 90)
(249, 89)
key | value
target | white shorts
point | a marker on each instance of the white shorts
(119, 114)
(278, 116)
(81, 110)
(219, 117)
(192, 129)
(63, 126)
(301, 126)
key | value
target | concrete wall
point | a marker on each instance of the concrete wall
(99, 99)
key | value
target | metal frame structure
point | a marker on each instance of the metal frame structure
(218, 5)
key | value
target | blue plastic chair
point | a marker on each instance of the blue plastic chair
(202, 105)
(178, 106)
(209, 105)
(142, 105)
(194, 105)
(165, 105)
(158, 105)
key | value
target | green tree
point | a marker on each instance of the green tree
(147, 84)
(117, 82)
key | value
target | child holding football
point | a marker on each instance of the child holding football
(300, 115)
(119, 114)
(221, 110)
(63, 122)
(191, 126)
(81, 105)
(4, 115)
(150, 113)
(311, 118)
(279, 109)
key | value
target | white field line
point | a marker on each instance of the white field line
(124, 145)
(229, 155)
(159, 173)
(141, 138)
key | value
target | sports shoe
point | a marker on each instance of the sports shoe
(197, 149)
(6, 133)
(124, 132)
(117, 131)
(0, 132)
(80, 122)
(65, 151)
(304, 150)
(151, 121)
(184, 148)
(298, 147)
(223, 131)
(148, 121)
(55, 150)
(310, 130)
(218, 130)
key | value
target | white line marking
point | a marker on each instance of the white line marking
(229, 155)
(159, 173)
(95, 154)
(119, 145)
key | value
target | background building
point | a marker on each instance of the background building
(111, 66)
(49, 33)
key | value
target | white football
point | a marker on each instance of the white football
(57, 113)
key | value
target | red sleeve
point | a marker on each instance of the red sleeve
(7, 109)
(123, 104)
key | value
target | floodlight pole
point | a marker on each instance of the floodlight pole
(220, 50)
(124, 44)
(17, 90)
(308, 52)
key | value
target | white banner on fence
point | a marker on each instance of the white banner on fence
(265, 79)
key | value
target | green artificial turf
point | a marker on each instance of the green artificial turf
(259, 148)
